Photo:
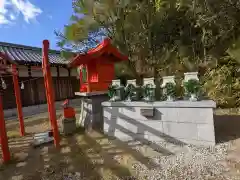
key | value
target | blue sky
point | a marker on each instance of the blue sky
(29, 22)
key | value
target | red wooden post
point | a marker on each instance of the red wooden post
(50, 92)
(3, 134)
(18, 99)
(45, 84)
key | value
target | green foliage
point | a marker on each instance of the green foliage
(223, 86)
(192, 86)
(112, 91)
(133, 93)
(165, 37)
(156, 33)
(149, 92)
(170, 89)
(129, 91)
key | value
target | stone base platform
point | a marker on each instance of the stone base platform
(91, 116)
(182, 122)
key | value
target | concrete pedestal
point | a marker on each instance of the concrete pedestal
(91, 116)
(177, 121)
(67, 125)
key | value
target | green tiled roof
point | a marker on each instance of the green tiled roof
(30, 55)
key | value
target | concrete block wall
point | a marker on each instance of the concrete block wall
(91, 116)
(31, 110)
(180, 121)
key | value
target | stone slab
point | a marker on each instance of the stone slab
(86, 94)
(168, 104)
(91, 115)
(68, 125)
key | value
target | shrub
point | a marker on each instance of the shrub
(192, 86)
(170, 89)
(221, 85)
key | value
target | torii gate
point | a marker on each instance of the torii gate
(5, 69)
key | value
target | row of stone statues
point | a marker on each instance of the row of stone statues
(147, 92)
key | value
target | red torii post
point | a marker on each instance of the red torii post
(3, 134)
(4, 69)
(18, 99)
(50, 92)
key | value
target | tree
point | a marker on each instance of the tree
(166, 35)
(69, 45)
(130, 25)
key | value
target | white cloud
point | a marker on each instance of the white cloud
(28, 10)
(11, 9)
(12, 17)
(3, 4)
(3, 20)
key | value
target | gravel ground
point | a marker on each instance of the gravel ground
(187, 163)
(190, 163)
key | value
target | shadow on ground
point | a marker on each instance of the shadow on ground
(87, 156)
(226, 127)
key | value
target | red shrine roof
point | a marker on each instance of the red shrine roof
(104, 48)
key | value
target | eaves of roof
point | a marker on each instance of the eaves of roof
(22, 54)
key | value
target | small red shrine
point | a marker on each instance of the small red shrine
(97, 66)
